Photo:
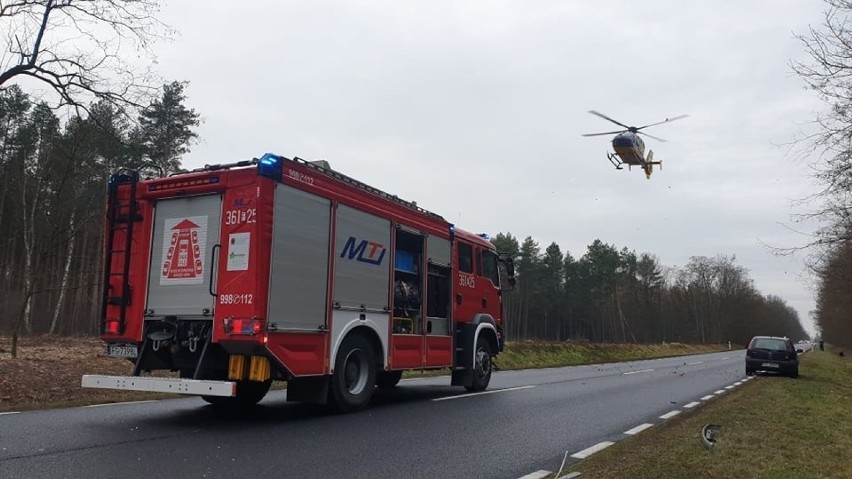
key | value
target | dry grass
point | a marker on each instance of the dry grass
(48, 369)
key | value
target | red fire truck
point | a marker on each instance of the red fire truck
(232, 276)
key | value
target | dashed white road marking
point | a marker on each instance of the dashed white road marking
(738, 383)
(10, 412)
(718, 391)
(495, 391)
(637, 429)
(696, 362)
(691, 405)
(637, 372)
(709, 396)
(591, 450)
(729, 387)
(723, 359)
(670, 414)
(536, 475)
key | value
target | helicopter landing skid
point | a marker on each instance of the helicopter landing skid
(613, 158)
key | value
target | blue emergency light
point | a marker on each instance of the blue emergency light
(270, 165)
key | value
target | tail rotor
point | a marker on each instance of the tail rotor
(649, 164)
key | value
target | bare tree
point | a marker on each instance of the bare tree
(78, 47)
(829, 74)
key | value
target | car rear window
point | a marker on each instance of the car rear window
(769, 343)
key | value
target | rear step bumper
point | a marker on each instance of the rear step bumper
(162, 385)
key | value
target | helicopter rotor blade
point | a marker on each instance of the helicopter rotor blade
(604, 133)
(667, 120)
(654, 137)
(593, 112)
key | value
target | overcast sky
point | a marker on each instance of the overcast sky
(474, 109)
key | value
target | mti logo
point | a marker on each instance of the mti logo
(363, 251)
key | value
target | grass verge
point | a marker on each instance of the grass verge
(535, 354)
(772, 427)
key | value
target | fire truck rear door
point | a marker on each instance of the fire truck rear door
(185, 231)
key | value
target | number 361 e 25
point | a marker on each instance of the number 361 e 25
(238, 217)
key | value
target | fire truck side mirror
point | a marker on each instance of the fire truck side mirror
(509, 263)
(507, 260)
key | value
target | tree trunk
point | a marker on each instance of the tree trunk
(16, 326)
(69, 253)
(28, 230)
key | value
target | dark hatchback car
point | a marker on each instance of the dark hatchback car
(770, 353)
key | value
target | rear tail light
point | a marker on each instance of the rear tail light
(112, 326)
(249, 327)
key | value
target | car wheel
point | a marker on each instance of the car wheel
(482, 367)
(249, 393)
(354, 377)
(388, 379)
(749, 372)
(795, 373)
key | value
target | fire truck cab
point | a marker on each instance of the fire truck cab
(232, 276)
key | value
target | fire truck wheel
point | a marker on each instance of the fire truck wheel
(388, 379)
(354, 377)
(482, 367)
(249, 393)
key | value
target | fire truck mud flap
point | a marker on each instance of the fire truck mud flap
(162, 385)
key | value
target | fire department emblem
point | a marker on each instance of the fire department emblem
(183, 250)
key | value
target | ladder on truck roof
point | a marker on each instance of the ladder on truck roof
(325, 169)
(120, 217)
(322, 167)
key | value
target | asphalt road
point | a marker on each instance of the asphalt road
(525, 422)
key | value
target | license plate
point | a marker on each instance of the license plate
(122, 350)
(770, 365)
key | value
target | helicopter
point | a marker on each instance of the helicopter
(629, 147)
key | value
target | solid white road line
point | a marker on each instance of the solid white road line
(705, 398)
(483, 392)
(591, 450)
(637, 372)
(637, 429)
(536, 475)
(670, 414)
(119, 403)
(691, 405)
(10, 412)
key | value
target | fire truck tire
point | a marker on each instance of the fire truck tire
(249, 393)
(354, 377)
(388, 379)
(482, 366)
